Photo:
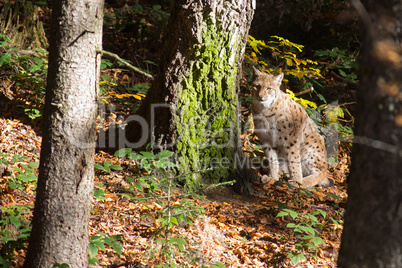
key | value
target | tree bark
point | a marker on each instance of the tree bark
(192, 106)
(66, 172)
(372, 235)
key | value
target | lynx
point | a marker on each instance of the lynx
(288, 135)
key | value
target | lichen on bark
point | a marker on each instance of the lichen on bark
(195, 88)
(207, 104)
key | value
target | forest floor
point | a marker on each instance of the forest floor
(238, 231)
(234, 230)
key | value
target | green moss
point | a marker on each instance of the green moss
(208, 108)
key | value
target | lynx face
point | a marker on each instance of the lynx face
(266, 90)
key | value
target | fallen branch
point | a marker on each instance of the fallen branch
(304, 91)
(113, 56)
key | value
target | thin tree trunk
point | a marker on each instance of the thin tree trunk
(372, 235)
(192, 106)
(66, 172)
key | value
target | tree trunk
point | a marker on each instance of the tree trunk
(192, 106)
(66, 172)
(372, 235)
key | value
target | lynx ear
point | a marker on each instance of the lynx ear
(256, 72)
(278, 78)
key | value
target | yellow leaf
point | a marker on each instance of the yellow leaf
(158, 207)
(290, 93)
(289, 62)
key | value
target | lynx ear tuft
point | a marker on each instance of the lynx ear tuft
(278, 78)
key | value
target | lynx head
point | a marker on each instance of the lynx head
(265, 87)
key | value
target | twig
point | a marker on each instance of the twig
(341, 79)
(361, 10)
(304, 91)
(347, 103)
(113, 56)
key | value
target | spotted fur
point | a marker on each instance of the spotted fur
(289, 137)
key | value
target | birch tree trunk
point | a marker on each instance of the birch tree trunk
(66, 172)
(372, 235)
(192, 106)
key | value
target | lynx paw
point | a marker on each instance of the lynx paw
(267, 180)
(325, 183)
(295, 184)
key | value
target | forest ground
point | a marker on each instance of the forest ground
(237, 231)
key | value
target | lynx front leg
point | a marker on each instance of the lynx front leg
(272, 156)
(315, 171)
(295, 169)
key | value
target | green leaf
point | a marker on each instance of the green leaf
(33, 164)
(99, 244)
(94, 237)
(133, 156)
(92, 260)
(116, 167)
(282, 214)
(218, 265)
(295, 257)
(174, 220)
(99, 193)
(32, 177)
(35, 68)
(165, 154)
(161, 219)
(13, 185)
(180, 243)
(100, 167)
(312, 218)
(291, 213)
(317, 241)
(107, 240)
(341, 72)
(93, 250)
(139, 186)
(320, 211)
(14, 220)
(130, 179)
(117, 248)
(169, 164)
(148, 155)
(107, 163)
(156, 6)
(151, 62)
(5, 59)
(308, 229)
(138, 6)
(123, 152)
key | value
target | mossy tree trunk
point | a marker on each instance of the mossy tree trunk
(66, 172)
(192, 106)
(372, 235)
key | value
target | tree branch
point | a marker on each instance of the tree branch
(113, 56)
(304, 91)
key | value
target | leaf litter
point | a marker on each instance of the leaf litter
(235, 231)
